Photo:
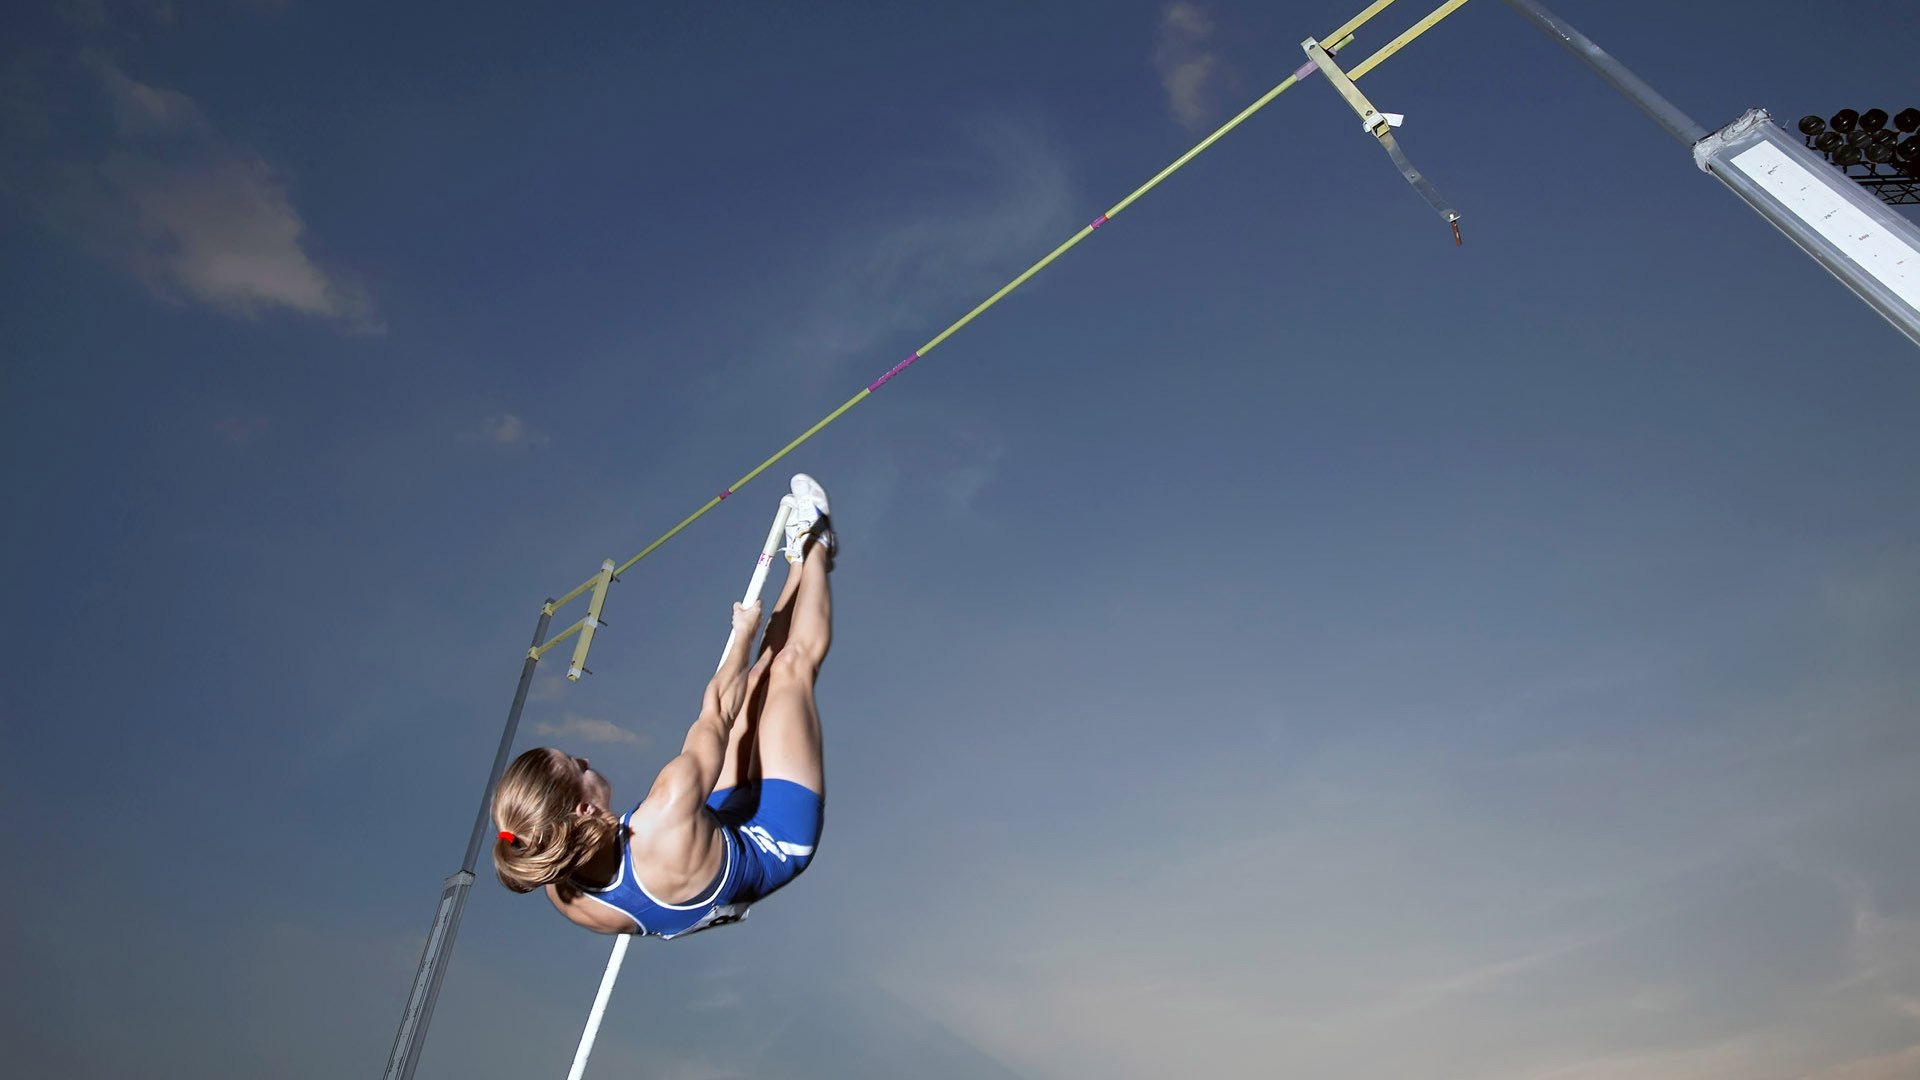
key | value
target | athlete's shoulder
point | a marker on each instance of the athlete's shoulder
(593, 914)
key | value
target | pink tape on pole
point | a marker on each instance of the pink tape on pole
(724, 494)
(1099, 221)
(897, 369)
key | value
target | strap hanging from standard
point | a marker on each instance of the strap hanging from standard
(1421, 184)
(1380, 125)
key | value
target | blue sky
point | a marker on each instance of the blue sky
(1272, 643)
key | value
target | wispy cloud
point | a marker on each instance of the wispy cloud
(1899, 1065)
(720, 1000)
(1188, 67)
(587, 729)
(549, 685)
(509, 429)
(200, 219)
(997, 198)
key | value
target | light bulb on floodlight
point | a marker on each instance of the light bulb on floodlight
(1811, 126)
(1907, 120)
(1879, 153)
(1873, 119)
(1847, 155)
(1845, 120)
(1829, 141)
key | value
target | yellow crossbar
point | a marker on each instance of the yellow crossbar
(1400, 42)
(1340, 38)
(1359, 20)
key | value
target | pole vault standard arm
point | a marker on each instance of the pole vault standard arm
(755, 584)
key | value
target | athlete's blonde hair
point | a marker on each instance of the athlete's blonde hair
(537, 803)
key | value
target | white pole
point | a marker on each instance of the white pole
(599, 1006)
(754, 584)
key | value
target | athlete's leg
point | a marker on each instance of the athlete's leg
(740, 765)
(788, 728)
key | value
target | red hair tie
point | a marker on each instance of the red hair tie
(508, 837)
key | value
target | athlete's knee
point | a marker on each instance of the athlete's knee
(797, 665)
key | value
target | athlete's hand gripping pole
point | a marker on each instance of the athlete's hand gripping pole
(775, 537)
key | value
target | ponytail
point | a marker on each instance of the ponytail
(542, 839)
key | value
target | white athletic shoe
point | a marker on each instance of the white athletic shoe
(808, 518)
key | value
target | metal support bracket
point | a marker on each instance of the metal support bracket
(578, 666)
(1378, 124)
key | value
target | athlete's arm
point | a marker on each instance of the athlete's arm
(690, 777)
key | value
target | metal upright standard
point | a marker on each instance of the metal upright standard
(412, 1035)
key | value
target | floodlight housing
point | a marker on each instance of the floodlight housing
(1853, 233)
(1865, 145)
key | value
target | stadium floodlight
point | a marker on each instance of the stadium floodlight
(1856, 237)
(1870, 142)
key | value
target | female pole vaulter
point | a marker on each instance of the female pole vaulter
(733, 817)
